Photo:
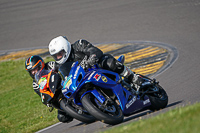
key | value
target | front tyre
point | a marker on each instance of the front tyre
(158, 99)
(110, 114)
(76, 113)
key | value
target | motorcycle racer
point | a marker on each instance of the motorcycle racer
(35, 63)
(87, 54)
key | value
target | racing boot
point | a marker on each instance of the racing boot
(63, 117)
(132, 78)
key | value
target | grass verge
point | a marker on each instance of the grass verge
(21, 109)
(179, 120)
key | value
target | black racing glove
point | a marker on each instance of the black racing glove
(88, 63)
(92, 60)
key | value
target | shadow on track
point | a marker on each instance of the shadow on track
(146, 112)
(82, 124)
(135, 117)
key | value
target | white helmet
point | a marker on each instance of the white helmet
(60, 49)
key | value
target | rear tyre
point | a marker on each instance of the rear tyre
(76, 113)
(159, 99)
(111, 115)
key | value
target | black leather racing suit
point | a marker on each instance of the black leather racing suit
(82, 50)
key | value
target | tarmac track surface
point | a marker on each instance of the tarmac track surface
(27, 24)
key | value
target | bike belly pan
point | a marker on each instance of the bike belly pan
(135, 104)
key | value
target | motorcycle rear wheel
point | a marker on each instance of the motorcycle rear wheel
(73, 112)
(113, 118)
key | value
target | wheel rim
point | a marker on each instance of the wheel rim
(110, 109)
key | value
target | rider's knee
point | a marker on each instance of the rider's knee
(107, 61)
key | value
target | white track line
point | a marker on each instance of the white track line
(48, 127)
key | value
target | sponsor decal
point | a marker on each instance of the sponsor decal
(146, 101)
(52, 78)
(76, 72)
(130, 102)
(104, 79)
(64, 90)
(68, 83)
(73, 64)
(68, 78)
(97, 77)
(91, 75)
(42, 82)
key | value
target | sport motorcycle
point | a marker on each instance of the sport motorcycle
(109, 97)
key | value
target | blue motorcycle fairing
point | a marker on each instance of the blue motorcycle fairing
(75, 80)
(69, 86)
(106, 80)
(128, 106)
(135, 105)
(119, 92)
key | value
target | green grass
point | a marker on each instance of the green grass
(21, 109)
(179, 120)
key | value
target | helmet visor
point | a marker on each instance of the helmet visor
(32, 72)
(58, 56)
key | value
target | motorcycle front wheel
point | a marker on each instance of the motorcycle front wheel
(110, 114)
(76, 113)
